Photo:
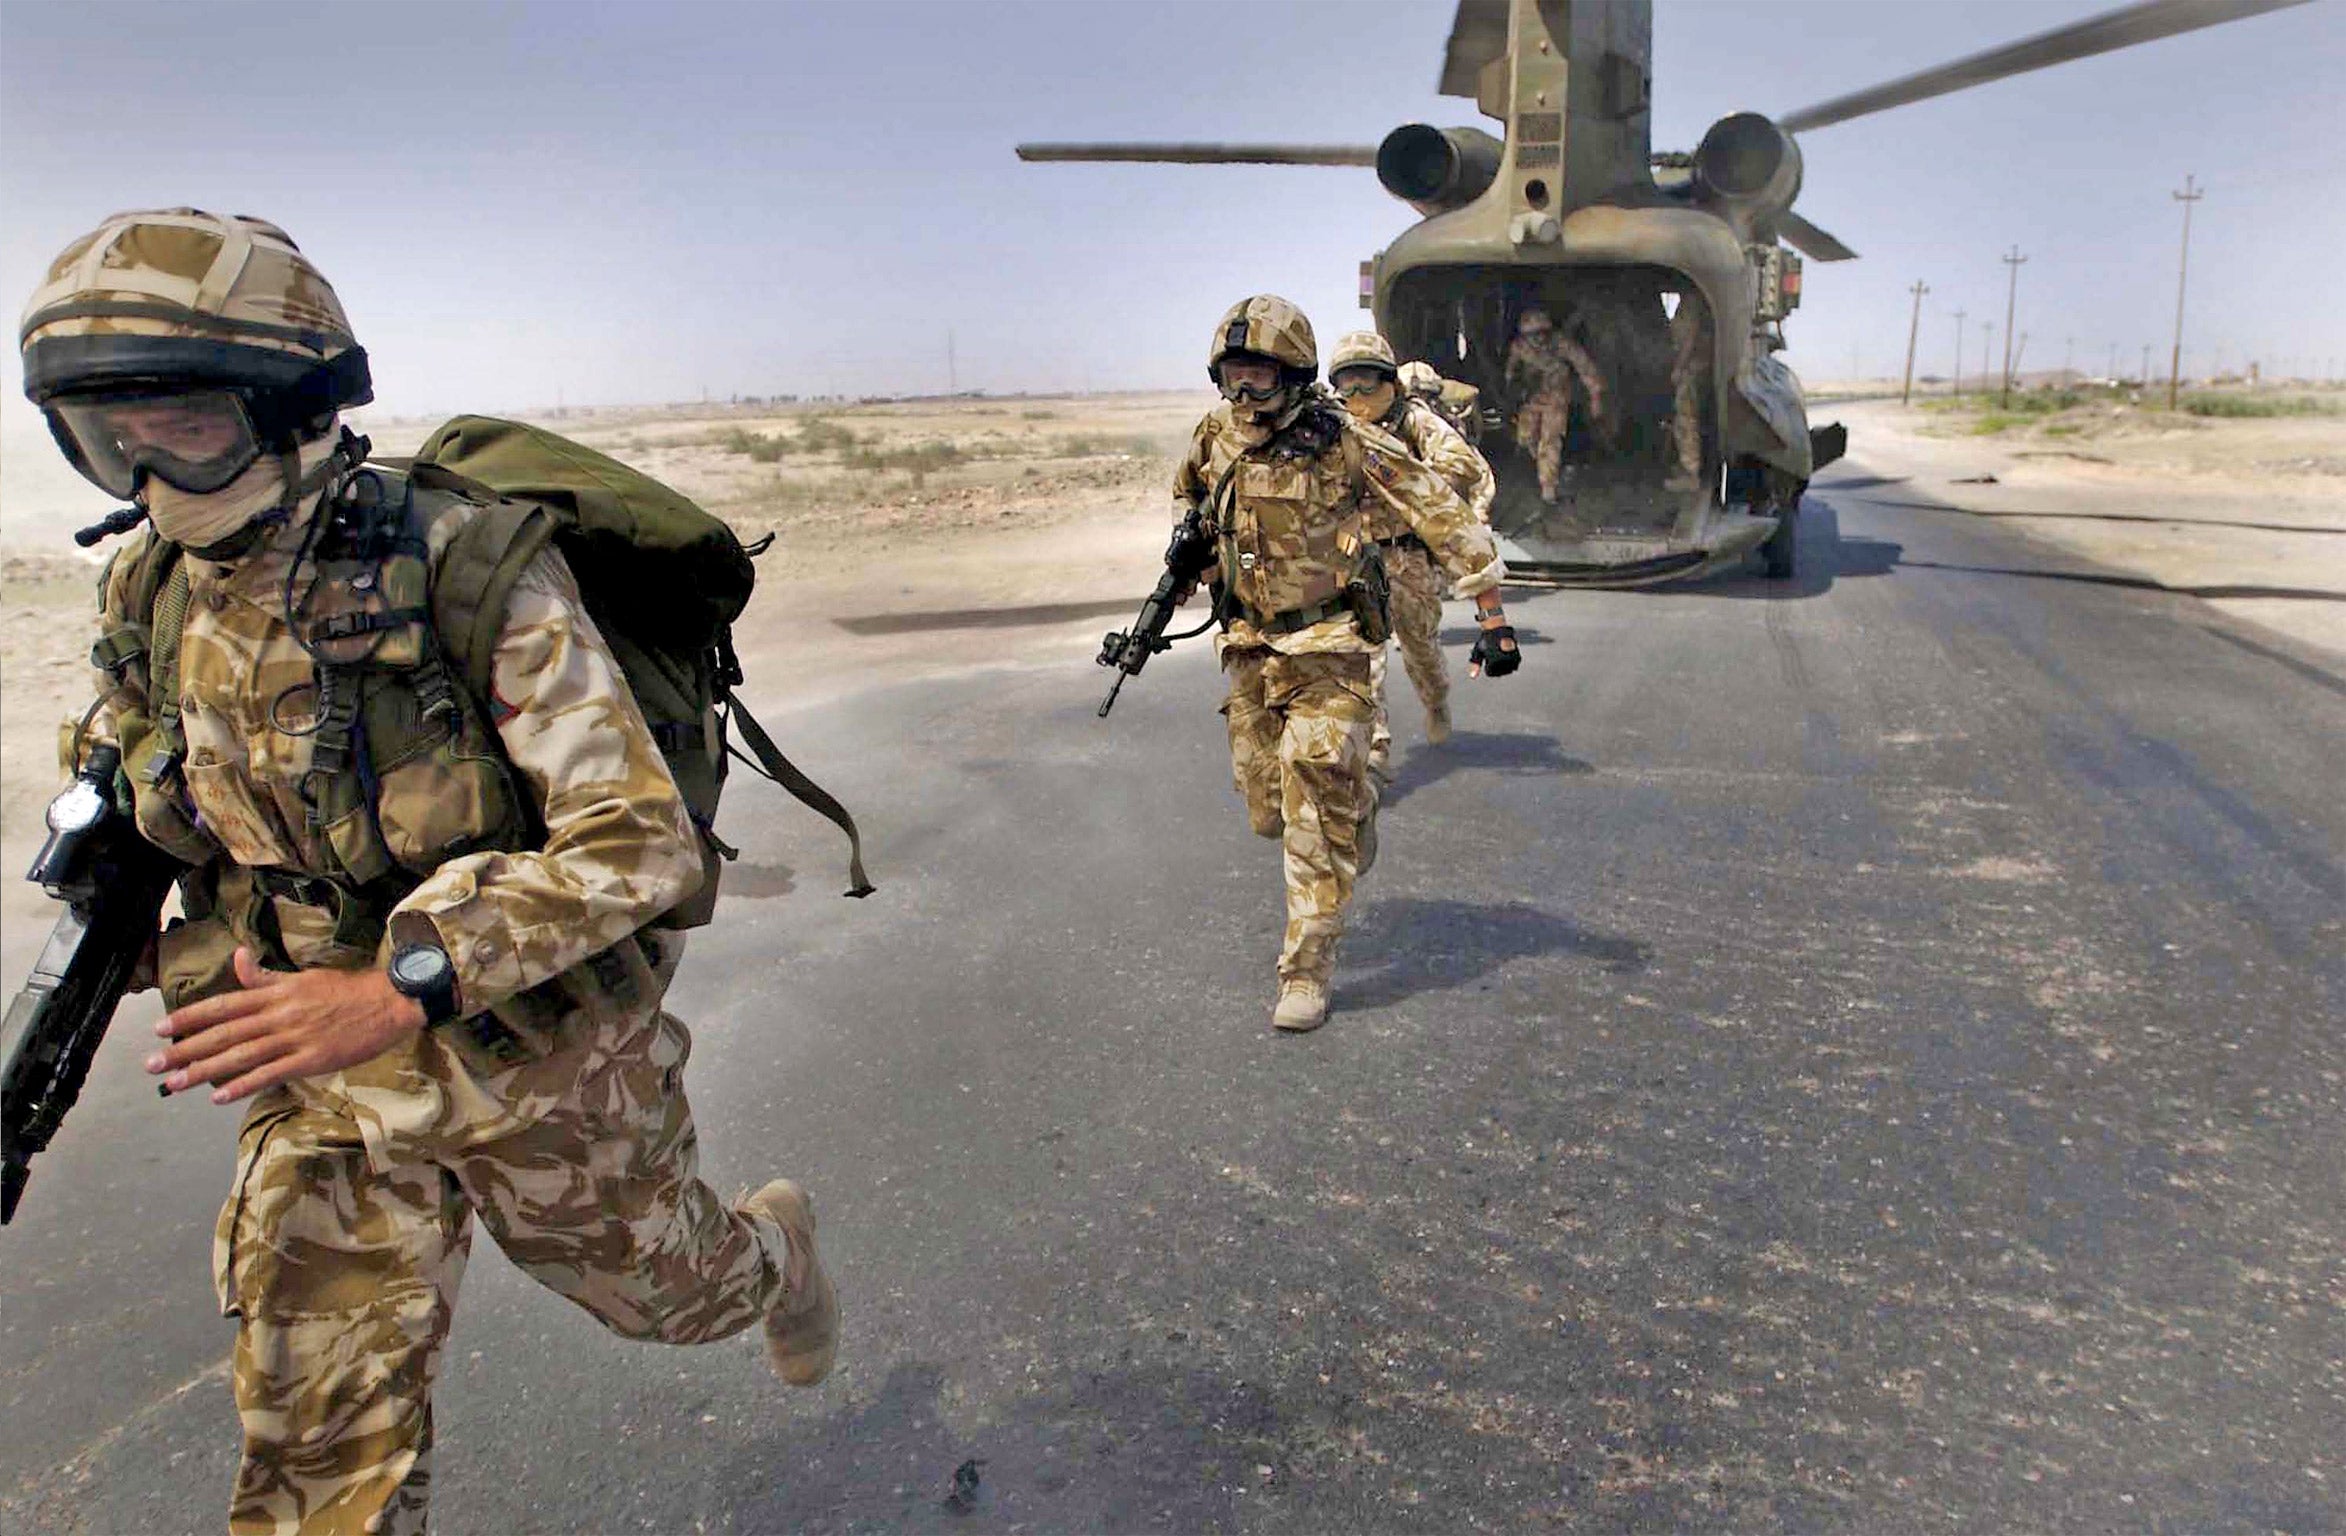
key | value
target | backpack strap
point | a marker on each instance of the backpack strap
(170, 612)
(476, 577)
(767, 761)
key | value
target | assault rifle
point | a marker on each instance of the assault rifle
(1188, 557)
(113, 883)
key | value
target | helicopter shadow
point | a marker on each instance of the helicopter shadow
(1437, 946)
(1520, 755)
(1824, 554)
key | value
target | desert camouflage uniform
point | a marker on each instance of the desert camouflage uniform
(1417, 584)
(1293, 522)
(555, 1109)
(1690, 375)
(1542, 373)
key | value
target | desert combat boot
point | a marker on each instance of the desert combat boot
(802, 1332)
(1302, 1005)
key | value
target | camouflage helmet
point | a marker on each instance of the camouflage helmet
(1267, 326)
(176, 298)
(1420, 379)
(1363, 349)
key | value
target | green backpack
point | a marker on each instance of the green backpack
(663, 581)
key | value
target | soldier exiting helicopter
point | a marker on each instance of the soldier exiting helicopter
(1283, 478)
(1366, 377)
(1545, 369)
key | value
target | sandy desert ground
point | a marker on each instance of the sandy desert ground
(923, 537)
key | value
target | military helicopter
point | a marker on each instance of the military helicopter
(1671, 270)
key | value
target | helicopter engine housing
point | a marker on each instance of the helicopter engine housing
(1437, 169)
(1748, 170)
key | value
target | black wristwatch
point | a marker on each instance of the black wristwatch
(425, 973)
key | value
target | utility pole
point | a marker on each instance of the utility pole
(2144, 377)
(2112, 371)
(2068, 356)
(952, 368)
(1913, 330)
(1987, 349)
(2189, 195)
(1958, 390)
(2011, 299)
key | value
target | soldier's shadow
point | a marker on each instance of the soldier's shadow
(1118, 1448)
(1520, 755)
(1425, 946)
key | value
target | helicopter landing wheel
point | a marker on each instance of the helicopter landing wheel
(1780, 553)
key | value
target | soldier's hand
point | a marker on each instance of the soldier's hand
(281, 1025)
(1495, 652)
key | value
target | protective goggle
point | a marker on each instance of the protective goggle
(1253, 394)
(1352, 383)
(198, 440)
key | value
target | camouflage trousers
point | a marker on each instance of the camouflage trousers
(1417, 630)
(1299, 738)
(1539, 428)
(345, 1236)
(1686, 420)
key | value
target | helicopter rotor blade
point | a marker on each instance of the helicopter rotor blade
(2145, 22)
(1814, 243)
(1205, 154)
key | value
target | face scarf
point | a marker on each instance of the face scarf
(210, 525)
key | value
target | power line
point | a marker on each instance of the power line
(2189, 195)
(1913, 330)
(2011, 298)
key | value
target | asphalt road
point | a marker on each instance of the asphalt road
(1865, 1055)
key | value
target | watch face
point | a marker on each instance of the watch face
(77, 807)
(419, 967)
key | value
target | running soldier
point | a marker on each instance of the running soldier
(442, 1001)
(1367, 379)
(1544, 369)
(1285, 478)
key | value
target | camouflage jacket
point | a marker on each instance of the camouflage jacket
(1550, 365)
(1293, 517)
(1441, 448)
(617, 847)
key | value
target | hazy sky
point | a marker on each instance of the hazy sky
(620, 202)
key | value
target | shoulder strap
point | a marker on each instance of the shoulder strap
(1350, 438)
(475, 577)
(170, 612)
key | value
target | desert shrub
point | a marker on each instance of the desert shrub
(1106, 447)
(759, 447)
(2258, 405)
(818, 434)
(917, 459)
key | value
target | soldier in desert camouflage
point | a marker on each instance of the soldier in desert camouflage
(1545, 369)
(1367, 378)
(1286, 479)
(1459, 402)
(474, 1027)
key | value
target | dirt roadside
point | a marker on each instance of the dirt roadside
(2248, 507)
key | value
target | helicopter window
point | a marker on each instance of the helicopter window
(1535, 192)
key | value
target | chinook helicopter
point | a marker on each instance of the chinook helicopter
(1672, 270)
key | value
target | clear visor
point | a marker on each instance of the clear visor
(198, 441)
